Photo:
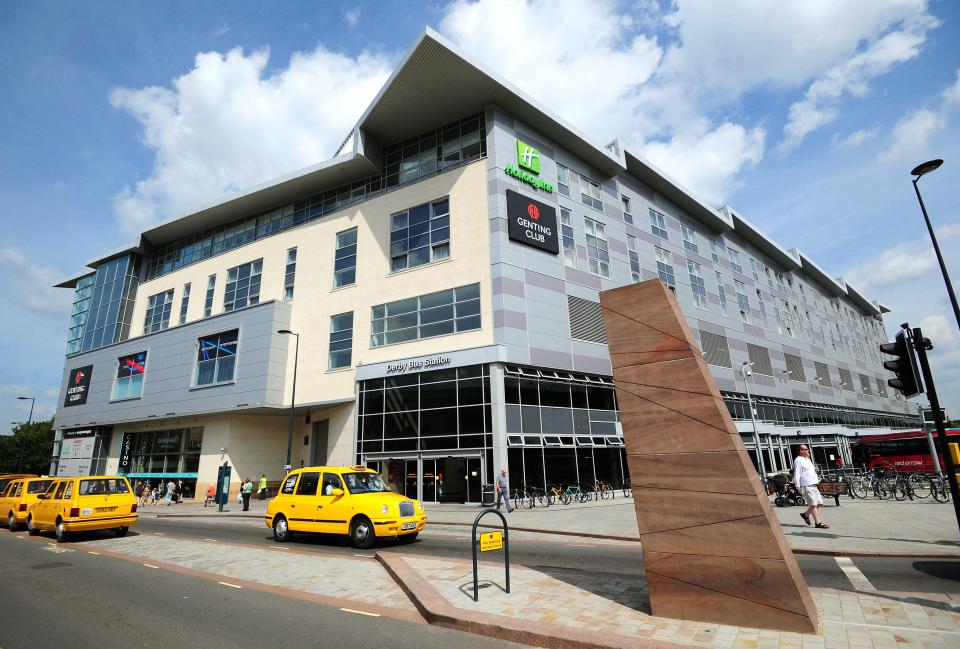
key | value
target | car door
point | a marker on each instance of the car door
(48, 508)
(9, 497)
(303, 510)
(332, 510)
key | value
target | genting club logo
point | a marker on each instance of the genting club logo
(78, 377)
(77, 386)
(533, 211)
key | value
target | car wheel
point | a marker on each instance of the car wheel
(31, 528)
(362, 535)
(12, 522)
(122, 531)
(60, 532)
(281, 529)
(409, 538)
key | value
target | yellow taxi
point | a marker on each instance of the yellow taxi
(17, 496)
(352, 501)
(6, 478)
(84, 504)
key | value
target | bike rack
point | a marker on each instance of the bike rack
(506, 549)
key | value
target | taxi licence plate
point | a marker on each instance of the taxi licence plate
(408, 526)
(104, 510)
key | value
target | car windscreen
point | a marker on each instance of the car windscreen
(103, 486)
(38, 486)
(359, 483)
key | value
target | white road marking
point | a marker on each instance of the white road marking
(857, 578)
(223, 583)
(152, 566)
(92, 552)
(159, 533)
(581, 545)
(368, 556)
(214, 540)
(350, 610)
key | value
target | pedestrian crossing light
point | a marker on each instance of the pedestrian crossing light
(904, 365)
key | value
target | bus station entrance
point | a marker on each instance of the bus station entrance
(432, 478)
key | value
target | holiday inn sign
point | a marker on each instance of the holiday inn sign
(528, 158)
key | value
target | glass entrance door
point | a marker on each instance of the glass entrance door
(451, 479)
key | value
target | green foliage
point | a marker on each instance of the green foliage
(28, 449)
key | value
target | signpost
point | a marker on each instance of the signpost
(223, 486)
(491, 541)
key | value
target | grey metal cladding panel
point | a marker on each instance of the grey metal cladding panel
(582, 278)
(551, 358)
(506, 318)
(171, 363)
(617, 246)
(728, 385)
(710, 327)
(507, 285)
(547, 282)
(592, 364)
(498, 225)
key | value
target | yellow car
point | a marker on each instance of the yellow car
(19, 495)
(84, 504)
(6, 478)
(343, 500)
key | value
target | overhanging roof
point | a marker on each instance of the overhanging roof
(645, 171)
(861, 301)
(444, 85)
(761, 241)
(821, 276)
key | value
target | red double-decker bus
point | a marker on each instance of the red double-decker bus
(906, 450)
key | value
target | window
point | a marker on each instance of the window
(665, 267)
(715, 250)
(308, 484)
(722, 292)
(184, 302)
(743, 302)
(425, 316)
(345, 258)
(634, 254)
(598, 255)
(754, 269)
(734, 260)
(689, 239)
(566, 232)
(590, 193)
(779, 278)
(290, 274)
(763, 308)
(208, 302)
(243, 285)
(158, 312)
(625, 204)
(696, 283)
(341, 340)
(563, 180)
(420, 235)
(129, 380)
(658, 224)
(216, 357)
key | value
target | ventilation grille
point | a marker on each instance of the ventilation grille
(823, 374)
(760, 358)
(881, 387)
(586, 320)
(715, 349)
(795, 367)
(865, 384)
(846, 380)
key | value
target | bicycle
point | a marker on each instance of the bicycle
(902, 488)
(921, 483)
(603, 490)
(573, 491)
(554, 494)
(940, 487)
(521, 498)
(627, 489)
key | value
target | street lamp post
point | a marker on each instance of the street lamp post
(23, 443)
(746, 372)
(918, 172)
(293, 394)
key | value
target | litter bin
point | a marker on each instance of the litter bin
(487, 495)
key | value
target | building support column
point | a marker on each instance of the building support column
(499, 424)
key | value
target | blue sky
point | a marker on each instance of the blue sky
(806, 117)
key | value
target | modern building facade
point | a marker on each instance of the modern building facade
(439, 277)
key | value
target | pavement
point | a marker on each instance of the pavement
(921, 528)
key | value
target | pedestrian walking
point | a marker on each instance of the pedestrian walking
(138, 490)
(806, 480)
(171, 487)
(145, 494)
(245, 490)
(503, 490)
(262, 489)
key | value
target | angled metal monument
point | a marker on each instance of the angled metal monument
(712, 548)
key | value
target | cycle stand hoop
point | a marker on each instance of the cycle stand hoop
(476, 544)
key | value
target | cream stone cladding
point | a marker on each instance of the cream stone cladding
(315, 299)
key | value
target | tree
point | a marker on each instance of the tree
(28, 449)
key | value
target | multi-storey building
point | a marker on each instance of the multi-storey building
(439, 281)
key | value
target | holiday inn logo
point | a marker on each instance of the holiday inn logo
(528, 157)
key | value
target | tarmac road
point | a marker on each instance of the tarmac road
(884, 574)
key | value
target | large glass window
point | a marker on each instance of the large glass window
(425, 316)
(341, 340)
(566, 232)
(158, 312)
(103, 305)
(658, 224)
(590, 193)
(665, 267)
(165, 451)
(216, 357)
(290, 274)
(634, 253)
(129, 379)
(243, 285)
(345, 258)
(420, 235)
(598, 254)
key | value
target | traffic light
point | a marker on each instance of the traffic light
(908, 381)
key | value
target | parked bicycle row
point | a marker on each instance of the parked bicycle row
(881, 483)
(530, 497)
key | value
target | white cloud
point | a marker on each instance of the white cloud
(225, 125)
(952, 94)
(851, 77)
(856, 138)
(911, 135)
(31, 285)
(352, 16)
(938, 328)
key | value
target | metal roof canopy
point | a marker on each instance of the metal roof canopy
(823, 278)
(761, 241)
(861, 301)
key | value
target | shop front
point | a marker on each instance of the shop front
(161, 456)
